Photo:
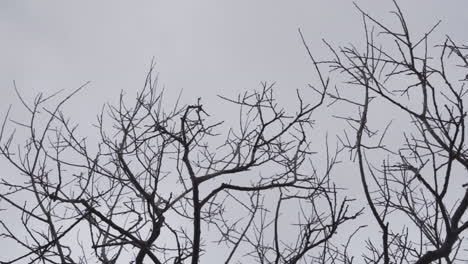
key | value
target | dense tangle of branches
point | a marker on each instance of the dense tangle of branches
(170, 184)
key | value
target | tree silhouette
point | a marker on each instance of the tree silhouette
(155, 185)
(160, 184)
(416, 185)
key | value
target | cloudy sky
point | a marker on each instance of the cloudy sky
(204, 48)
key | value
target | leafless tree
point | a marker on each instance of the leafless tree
(168, 186)
(413, 176)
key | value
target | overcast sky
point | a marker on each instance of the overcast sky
(203, 47)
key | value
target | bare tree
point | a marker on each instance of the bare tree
(154, 187)
(160, 184)
(413, 176)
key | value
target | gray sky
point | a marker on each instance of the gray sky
(204, 47)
